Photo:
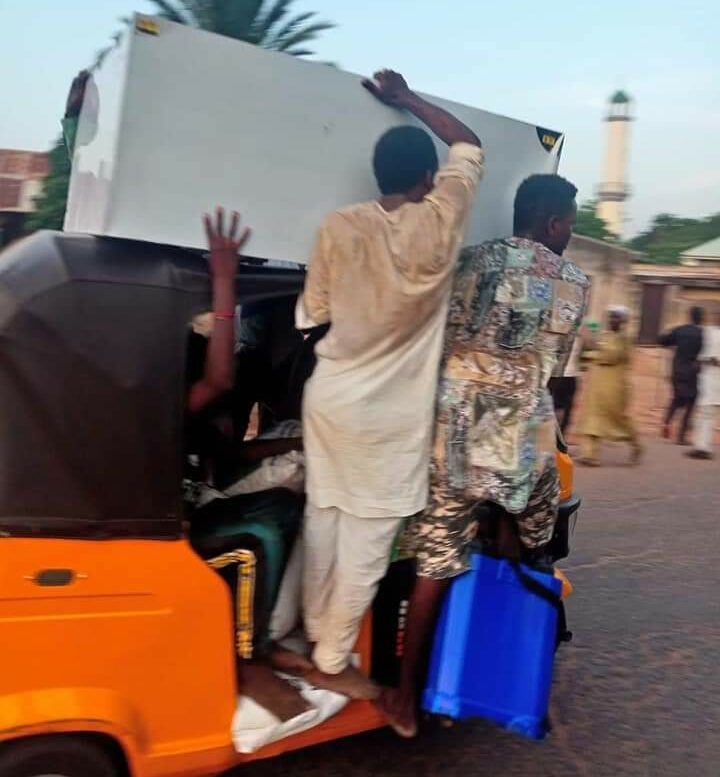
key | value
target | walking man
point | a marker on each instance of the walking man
(687, 342)
(708, 400)
(606, 397)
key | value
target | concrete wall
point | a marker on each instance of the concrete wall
(609, 268)
(31, 189)
(684, 287)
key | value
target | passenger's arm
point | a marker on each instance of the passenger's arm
(83, 94)
(76, 95)
(668, 339)
(220, 359)
(392, 89)
(73, 106)
(573, 344)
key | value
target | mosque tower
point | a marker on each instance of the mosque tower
(613, 191)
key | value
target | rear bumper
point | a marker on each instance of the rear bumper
(559, 546)
(570, 506)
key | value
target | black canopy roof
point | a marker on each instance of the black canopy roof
(93, 335)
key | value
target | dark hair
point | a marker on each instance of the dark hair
(539, 198)
(697, 315)
(403, 157)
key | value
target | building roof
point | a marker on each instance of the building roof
(593, 243)
(678, 273)
(27, 165)
(709, 250)
(620, 97)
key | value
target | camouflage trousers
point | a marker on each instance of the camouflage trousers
(441, 536)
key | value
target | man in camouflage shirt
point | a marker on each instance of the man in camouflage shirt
(515, 308)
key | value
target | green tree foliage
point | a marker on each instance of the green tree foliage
(50, 204)
(590, 224)
(267, 23)
(669, 236)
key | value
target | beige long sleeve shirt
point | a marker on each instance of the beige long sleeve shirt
(382, 279)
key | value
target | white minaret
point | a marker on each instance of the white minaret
(613, 191)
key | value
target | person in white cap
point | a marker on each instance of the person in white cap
(708, 393)
(607, 392)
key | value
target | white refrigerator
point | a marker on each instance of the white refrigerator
(179, 120)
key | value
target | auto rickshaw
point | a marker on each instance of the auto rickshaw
(117, 649)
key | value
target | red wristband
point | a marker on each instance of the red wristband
(224, 316)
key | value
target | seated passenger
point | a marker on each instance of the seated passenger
(268, 344)
(242, 535)
(272, 362)
(515, 308)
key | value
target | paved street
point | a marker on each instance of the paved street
(638, 691)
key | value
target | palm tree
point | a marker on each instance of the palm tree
(266, 23)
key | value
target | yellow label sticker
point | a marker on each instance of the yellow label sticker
(548, 138)
(150, 26)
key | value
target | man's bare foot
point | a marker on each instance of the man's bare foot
(698, 454)
(290, 662)
(586, 461)
(262, 685)
(400, 714)
(350, 682)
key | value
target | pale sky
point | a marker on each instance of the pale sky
(553, 64)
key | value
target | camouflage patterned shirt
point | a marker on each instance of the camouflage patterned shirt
(515, 309)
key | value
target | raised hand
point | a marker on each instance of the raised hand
(219, 373)
(225, 247)
(389, 87)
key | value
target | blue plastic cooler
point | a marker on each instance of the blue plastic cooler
(494, 648)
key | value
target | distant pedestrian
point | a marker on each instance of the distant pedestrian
(708, 398)
(606, 395)
(687, 341)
